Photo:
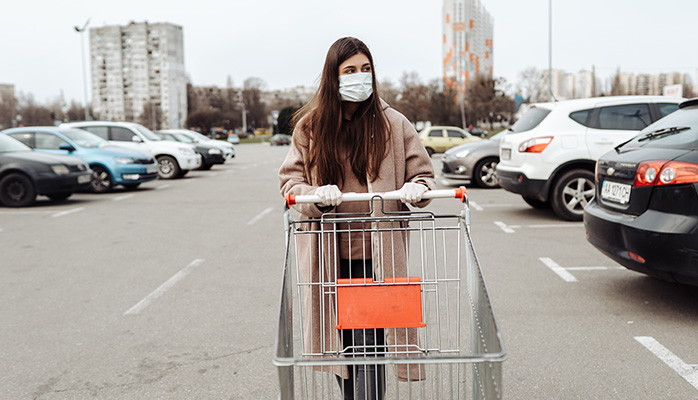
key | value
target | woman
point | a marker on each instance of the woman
(346, 139)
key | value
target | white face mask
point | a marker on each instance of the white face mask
(356, 87)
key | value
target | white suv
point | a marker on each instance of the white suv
(174, 159)
(548, 156)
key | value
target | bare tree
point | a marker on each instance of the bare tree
(413, 101)
(531, 84)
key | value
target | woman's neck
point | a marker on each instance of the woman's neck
(348, 109)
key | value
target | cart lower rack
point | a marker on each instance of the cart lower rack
(385, 305)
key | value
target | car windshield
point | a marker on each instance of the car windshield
(529, 120)
(9, 145)
(84, 138)
(677, 130)
(183, 138)
(200, 136)
(147, 132)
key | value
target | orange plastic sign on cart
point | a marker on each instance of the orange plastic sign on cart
(394, 303)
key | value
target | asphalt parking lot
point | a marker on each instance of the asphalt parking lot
(171, 291)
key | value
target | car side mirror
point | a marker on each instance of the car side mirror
(136, 139)
(66, 147)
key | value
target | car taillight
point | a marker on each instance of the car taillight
(662, 172)
(535, 145)
(596, 170)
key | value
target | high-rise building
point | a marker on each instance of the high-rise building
(139, 68)
(467, 42)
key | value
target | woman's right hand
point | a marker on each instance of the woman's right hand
(329, 195)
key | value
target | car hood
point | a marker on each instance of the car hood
(43, 158)
(480, 144)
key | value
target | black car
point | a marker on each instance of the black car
(211, 154)
(645, 213)
(24, 174)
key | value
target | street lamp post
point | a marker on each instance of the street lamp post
(84, 68)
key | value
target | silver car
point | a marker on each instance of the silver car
(475, 162)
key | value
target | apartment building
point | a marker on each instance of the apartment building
(138, 65)
(467, 42)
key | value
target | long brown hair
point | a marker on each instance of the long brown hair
(322, 118)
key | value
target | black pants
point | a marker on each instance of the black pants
(366, 382)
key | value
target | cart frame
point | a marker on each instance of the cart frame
(486, 353)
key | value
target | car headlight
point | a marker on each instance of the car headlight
(214, 151)
(461, 154)
(60, 169)
(124, 160)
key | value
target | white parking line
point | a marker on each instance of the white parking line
(124, 197)
(165, 186)
(558, 269)
(163, 288)
(689, 372)
(66, 212)
(475, 206)
(564, 272)
(260, 216)
(510, 228)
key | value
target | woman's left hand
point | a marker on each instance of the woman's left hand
(412, 192)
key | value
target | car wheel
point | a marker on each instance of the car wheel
(430, 151)
(101, 180)
(59, 196)
(484, 173)
(168, 167)
(17, 190)
(571, 193)
(535, 203)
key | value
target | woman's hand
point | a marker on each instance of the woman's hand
(329, 195)
(412, 192)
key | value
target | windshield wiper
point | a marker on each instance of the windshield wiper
(663, 132)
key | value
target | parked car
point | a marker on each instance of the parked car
(227, 148)
(478, 132)
(24, 174)
(174, 159)
(437, 139)
(233, 138)
(280, 139)
(111, 165)
(210, 154)
(548, 155)
(645, 214)
(474, 162)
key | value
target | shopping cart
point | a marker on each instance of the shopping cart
(423, 288)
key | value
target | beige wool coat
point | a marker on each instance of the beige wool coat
(406, 161)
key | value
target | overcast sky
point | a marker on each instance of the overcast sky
(284, 42)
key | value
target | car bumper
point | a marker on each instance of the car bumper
(672, 255)
(189, 161)
(135, 174)
(519, 183)
(454, 169)
(70, 183)
(213, 159)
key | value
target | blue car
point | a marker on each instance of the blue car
(112, 166)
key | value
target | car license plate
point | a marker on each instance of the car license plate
(506, 154)
(617, 192)
(84, 178)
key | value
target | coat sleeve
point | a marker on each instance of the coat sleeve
(418, 166)
(292, 176)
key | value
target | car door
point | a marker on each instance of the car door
(614, 124)
(437, 141)
(50, 143)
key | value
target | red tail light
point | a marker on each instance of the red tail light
(662, 172)
(535, 145)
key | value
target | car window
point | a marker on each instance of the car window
(25, 137)
(9, 144)
(631, 117)
(47, 141)
(667, 108)
(455, 134)
(436, 133)
(683, 139)
(581, 116)
(101, 131)
(530, 120)
(121, 134)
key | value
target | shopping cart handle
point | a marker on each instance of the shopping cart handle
(459, 193)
